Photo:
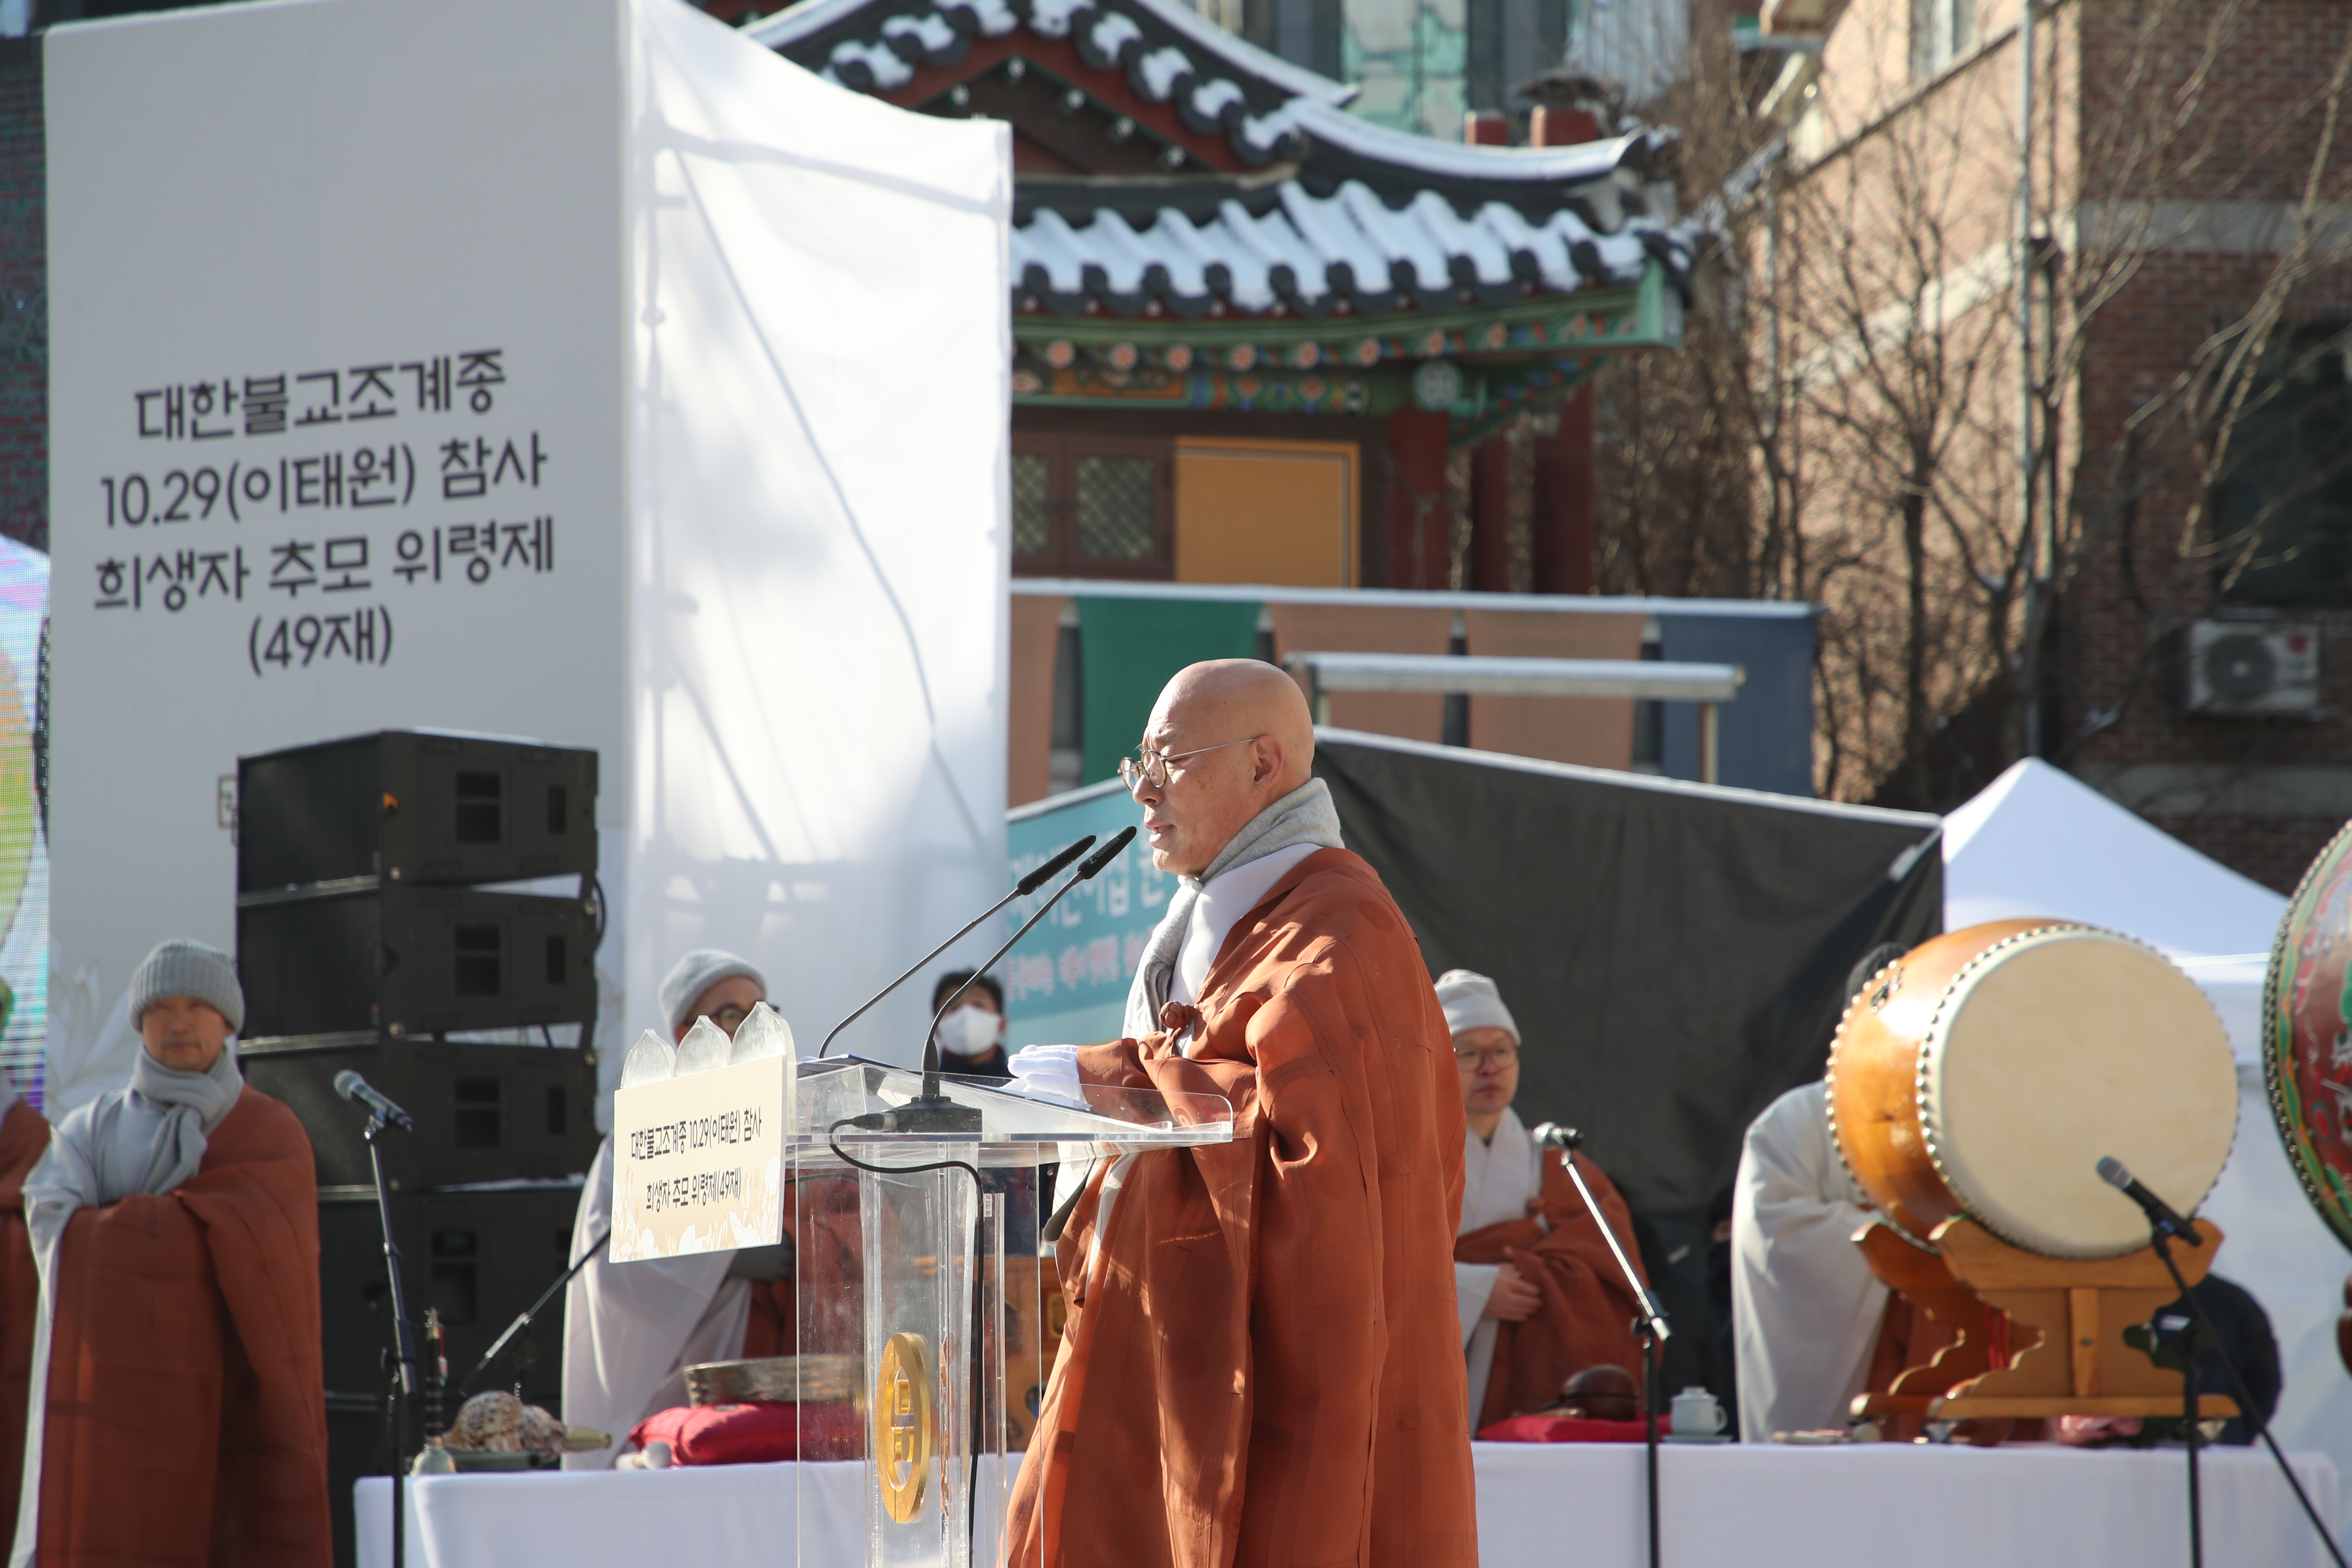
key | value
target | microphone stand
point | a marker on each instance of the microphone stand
(1648, 1324)
(2201, 1329)
(523, 1319)
(404, 1339)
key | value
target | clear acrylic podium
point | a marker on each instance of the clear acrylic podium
(921, 1339)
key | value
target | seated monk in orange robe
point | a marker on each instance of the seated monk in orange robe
(1540, 1297)
(1256, 1368)
(165, 1335)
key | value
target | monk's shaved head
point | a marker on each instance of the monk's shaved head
(1239, 738)
(1245, 697)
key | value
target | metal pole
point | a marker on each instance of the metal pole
(1707, 738)
(2030, 542)
(2188, 1400)
(403, 1340)
(1649, 1327)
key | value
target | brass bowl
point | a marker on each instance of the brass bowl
(776, 1380)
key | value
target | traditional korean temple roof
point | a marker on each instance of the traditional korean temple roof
(1191, 208)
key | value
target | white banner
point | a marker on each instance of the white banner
(571, 369)
(698, 1162)
(335, 427)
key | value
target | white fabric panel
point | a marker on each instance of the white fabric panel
(820, 402)
(1761, 1507)
(1805, 1307)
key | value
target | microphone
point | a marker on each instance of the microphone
(1086, 873)
(1552, 1135)
(1021, 889)
(1050, 869)
(932, 1111)
(2160, 1212)
(356, 1089)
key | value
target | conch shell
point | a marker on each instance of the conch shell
(498, 1423)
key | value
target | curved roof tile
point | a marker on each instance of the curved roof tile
(1312, 253)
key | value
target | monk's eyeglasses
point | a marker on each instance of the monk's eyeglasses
(1153, 767)
(1471, 1060)
(730, 1018)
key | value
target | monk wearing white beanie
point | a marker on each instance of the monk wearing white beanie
(631, 1330)
(1540, 1297)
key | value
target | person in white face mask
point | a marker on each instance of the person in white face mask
(971, 1038)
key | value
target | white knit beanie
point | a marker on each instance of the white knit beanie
(185, 968)
(694, 974)
(1471, 1002)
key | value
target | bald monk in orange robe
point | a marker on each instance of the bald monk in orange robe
(1259, 1367)
(184, 1418)
(1541, 1297)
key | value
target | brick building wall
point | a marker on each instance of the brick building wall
(24, 299)
(2262, 794)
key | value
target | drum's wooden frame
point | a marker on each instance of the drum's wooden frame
(2083, 1303)
(1958, 1271)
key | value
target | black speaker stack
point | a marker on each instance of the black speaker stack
(374, 935)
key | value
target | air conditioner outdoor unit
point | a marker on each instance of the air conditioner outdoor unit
(2253, 666)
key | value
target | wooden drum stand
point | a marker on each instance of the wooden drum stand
(2012, 1307)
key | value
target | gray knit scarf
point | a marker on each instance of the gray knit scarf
(149, 1138)
(1305, 815)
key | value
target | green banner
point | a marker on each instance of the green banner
(1066, 981)
(1129, 649)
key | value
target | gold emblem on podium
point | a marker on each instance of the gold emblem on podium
(903, 1438)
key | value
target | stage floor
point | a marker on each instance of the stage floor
(1757, 1506)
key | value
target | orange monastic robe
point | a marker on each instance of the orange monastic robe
(1262, 1367)
(23, 1139)
(1588, 1311)
(188, 1412)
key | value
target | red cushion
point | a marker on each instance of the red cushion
(1570, 1429)
(746, 1434)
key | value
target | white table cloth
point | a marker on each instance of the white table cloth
(1757, 1506)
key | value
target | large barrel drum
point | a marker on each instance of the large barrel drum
(1986, 1071)
(2307, 1037)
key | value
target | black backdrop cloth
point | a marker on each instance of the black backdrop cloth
(1676, 955)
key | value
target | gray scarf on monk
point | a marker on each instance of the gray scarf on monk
(149, 1138)
(1305, 815)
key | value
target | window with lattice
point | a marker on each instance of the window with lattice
(1086, 506)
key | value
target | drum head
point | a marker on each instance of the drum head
(2059, 1047)
(2307, 1033)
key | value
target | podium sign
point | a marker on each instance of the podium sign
(914, 1262)
(699, 1162)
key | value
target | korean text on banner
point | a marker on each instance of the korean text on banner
(698, 1162)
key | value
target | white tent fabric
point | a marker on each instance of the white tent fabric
(2039, 842)
(820, 392)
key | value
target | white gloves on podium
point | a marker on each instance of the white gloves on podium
(1047, 1072)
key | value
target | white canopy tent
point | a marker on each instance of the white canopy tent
(2040, 842)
